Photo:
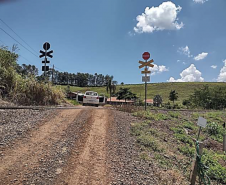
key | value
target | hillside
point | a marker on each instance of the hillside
(184, 89)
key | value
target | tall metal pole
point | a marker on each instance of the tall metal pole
(145, 89)
(52, 74)
(45, 66)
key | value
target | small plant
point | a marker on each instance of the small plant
(174, 114)
(164, 162)
(178, 130)
(138, 128)
(144, 156)
(187, 150)
(213, 128)
(148, 141)
(184, 138)
(190, 125)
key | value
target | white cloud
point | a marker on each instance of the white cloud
(200, 1)
(222, 75)
(213, 66)
(191, 74)
(163, 17)
(157, 69)
(201, 56)
(185, 50)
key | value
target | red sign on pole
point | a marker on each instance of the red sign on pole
(146, 55)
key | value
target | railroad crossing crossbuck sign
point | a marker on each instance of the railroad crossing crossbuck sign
(146, 64)
(146, 78)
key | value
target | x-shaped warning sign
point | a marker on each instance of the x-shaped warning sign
(148, 63)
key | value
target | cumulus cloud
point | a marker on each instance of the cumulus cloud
(213, 66)
(222, 75)
(191, 74)
(163, 17)
(201, 56)
(185, 50)
(157, 69)
(200, 1)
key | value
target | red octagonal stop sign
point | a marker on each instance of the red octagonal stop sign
(146, 55)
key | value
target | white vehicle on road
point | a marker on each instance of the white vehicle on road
(91, 97)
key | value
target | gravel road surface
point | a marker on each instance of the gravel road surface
(73, 146)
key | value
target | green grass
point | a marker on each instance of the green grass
(187, 150)
(74, 102)
(177, 150)
(184, 89)
(151, 116)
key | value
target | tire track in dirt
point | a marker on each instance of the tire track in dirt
(27, 153)
(87, 164)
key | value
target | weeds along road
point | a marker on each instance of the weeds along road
(70, 146)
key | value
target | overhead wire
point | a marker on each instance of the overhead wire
(17, 34)
(18, 42)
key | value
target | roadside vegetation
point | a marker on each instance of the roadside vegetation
(167, 139)
(184, 89)
(19, 84)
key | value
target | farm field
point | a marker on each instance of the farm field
(184, 89)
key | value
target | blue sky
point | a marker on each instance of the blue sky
(185, 38)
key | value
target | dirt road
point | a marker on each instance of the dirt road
(69, 148)
(90, 146)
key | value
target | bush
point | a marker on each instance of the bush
(24, 90)
(31, 92)
(168, 106)
(186, 103)
(213, 128)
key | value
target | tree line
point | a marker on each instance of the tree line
(65, 78)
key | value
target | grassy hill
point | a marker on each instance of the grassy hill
(184, 89)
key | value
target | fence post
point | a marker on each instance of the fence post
(195, 165)
(224, 143)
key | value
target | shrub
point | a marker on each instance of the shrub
(213, 128)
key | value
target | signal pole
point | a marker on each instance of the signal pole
(52, 73)
(146, 89)
(146, 78)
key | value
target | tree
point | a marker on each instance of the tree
(209, 98)
(173, 96)
(109, 87)
(125, 93)
(122, 83)
(157, 101)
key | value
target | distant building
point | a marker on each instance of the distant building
(149, 101)
(115, 101)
